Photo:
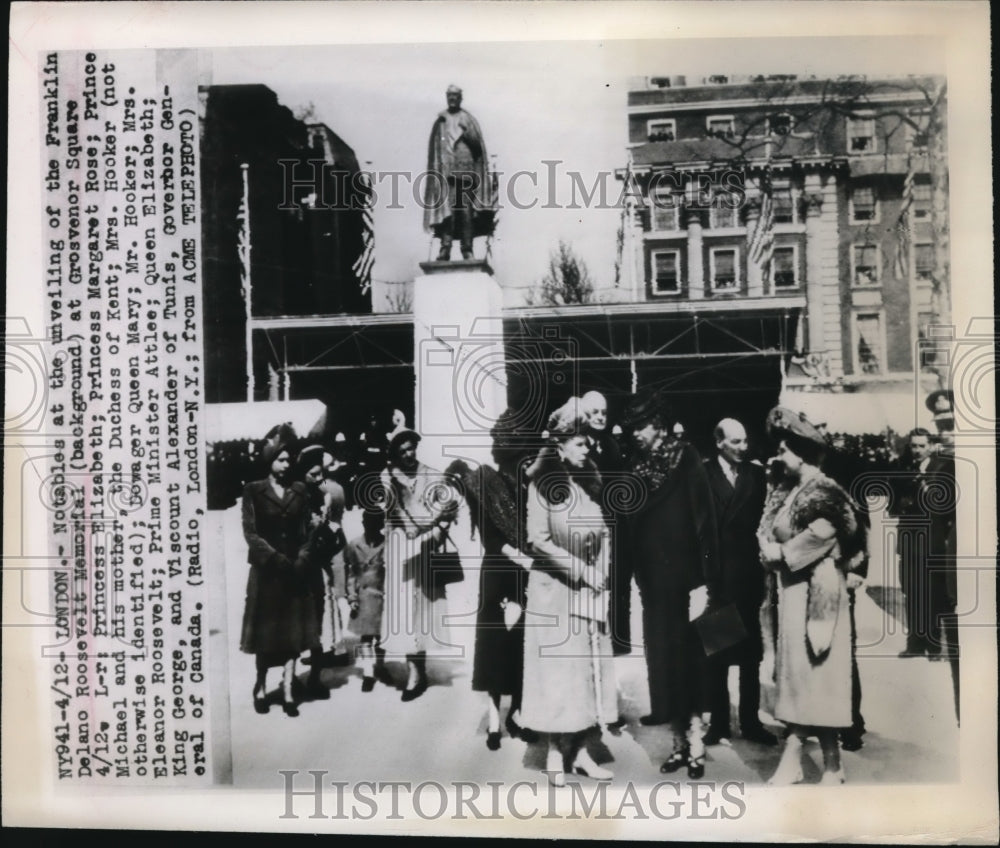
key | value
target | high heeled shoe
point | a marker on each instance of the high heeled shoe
(416, 691)
(493, 740)
(696, 767)
(789, 769)
(260, 702)
(677, 760)
(517, 732)
(288, 704)
(585, 765)
(833, 778)
(787, 774)
(555, 768)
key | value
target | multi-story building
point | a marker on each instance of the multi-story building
(829, 193)
(282, 233)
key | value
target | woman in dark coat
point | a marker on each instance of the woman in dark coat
(496, 505)
(674, 552)
(811, 539)
(279, 617)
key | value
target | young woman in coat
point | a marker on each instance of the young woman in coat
(280, 618)
(811, 539)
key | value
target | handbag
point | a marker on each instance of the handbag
(445, 568)
(720, 628)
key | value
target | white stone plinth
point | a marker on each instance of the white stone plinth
(459, 363)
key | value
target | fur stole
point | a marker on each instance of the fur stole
(821, 497)
(655, 467)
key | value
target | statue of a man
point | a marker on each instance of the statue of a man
(458, 194)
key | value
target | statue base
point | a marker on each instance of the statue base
(459, 360)
(458, 266)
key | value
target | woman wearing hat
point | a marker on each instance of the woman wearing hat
(569, 680)
(811, 539)
(420, 508)
(280, 619)
(674, 551)
(326, 505)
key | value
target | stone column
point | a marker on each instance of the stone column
(459, 360)
(812, 199)
(695, 256)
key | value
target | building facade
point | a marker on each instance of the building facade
(831, 190)
(283, 229)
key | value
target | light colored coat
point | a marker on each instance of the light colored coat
(567, 650)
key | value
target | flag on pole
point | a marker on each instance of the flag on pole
(243, 256)
(362, 265)
(901, 260)
(625, 223)
(243, 236)
(760, 241)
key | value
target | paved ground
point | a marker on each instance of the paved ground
(912, 734)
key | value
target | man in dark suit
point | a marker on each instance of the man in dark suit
(606, 454)
(943, 549)
(738, 490)
(910, 507)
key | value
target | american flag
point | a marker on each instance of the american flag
(760, 242)
(628, 205)
(901, 261)
(362, 266)
(243, 254)
(243, 235)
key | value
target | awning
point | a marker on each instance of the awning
(231, 421)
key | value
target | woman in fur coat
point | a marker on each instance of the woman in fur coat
(569, 682)
(811, 539)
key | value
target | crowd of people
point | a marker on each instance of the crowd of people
(729, 555)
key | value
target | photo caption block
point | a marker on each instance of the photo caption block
(121, 248)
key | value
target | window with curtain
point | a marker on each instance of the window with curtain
(724, 269)
(923, 261)
(783, 268)
(666, 272)
(865, 264)
(784, 204)
(869, 329)
(861, 135)
(864, 205)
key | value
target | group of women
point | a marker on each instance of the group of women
(542, 636)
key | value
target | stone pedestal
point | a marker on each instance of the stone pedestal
(459, 361)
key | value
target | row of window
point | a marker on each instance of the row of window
(724, 209)
(866, 263)
(724, 267)
(870, 342)
(861, 130)
(863, 204)
(865, 207)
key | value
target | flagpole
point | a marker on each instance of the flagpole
(245, 281)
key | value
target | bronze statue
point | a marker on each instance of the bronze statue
(458, 194)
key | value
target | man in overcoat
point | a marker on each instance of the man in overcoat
(738, 489)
